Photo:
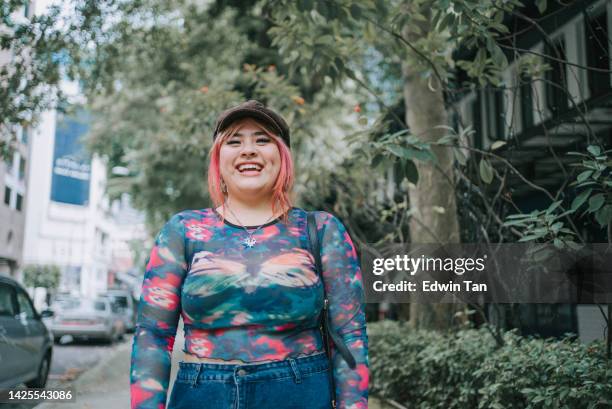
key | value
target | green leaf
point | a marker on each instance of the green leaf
(604, 215)
(541, 6)
(584, 176)
(411, 171)
(553, 206)
(595, 202)
(459, 156)
(594, 150)
(497, 145)
(486, 171)
(580, 199)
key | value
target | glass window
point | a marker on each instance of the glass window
(25, 307)
(7, 307)
(22, 168)
(7, 195)
(495, 113)
(596, 34)
(526, 94)
(556, 78)
(19, 202)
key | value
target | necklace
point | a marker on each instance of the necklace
(249, 241)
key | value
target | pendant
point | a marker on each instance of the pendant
(249, 242)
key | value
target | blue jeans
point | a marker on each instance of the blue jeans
(294, 383)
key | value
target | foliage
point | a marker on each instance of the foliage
(423, 369)
(595, 180)
(37, 52)
(156, 89)
(46, 276)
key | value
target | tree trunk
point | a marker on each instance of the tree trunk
(435, 189)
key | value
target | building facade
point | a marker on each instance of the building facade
(13, 185)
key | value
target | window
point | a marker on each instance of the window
(596, 34)
(556, 78)
(526, 98)
(25, 307)
(494, 104)
(19, 202)
(22, 168)
(7, 307)
(25, 135)
(7, 195)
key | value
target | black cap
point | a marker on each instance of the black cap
(257, 110)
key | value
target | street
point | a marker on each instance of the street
(71, 360)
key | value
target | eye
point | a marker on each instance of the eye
(262, 140)
(233, 142)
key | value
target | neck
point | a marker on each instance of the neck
(250, 213)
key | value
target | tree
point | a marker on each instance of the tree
(37, 52)
(46, 276)
(419, 36)
(158, 78)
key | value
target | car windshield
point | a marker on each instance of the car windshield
(120, 301)
(83, 304)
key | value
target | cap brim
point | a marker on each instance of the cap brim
(248, 113)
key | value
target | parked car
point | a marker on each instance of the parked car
(26, 345)
(123, 299)
(87, 318)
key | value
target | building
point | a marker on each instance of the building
(13, 187)
(543, 118)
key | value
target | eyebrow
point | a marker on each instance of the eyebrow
(258, 133)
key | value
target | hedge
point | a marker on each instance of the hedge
(465, 369)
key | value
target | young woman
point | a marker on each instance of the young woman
(242, 276)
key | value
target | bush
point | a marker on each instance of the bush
(465, 369)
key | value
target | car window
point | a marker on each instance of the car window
(100, 306)
(24, 305)
(121, 301)
(7, 308)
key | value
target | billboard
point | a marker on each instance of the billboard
(71, 163)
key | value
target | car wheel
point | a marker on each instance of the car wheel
(43, 372)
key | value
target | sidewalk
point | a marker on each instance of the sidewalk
(106, 385)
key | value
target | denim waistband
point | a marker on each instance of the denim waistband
(193, 372)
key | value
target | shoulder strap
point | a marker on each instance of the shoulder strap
(315, 247)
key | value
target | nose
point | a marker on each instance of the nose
(249, 149)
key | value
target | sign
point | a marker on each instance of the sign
(71, 171)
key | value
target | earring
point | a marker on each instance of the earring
(223, 187)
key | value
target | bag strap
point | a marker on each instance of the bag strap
(315, 247)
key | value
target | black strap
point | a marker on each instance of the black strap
(325, 327)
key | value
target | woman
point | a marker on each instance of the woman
(243, 279)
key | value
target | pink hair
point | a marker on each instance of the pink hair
(281, 191)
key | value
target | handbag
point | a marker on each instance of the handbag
(326, 331)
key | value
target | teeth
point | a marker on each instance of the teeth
(242, 168)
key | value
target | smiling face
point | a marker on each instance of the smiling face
(249, 162)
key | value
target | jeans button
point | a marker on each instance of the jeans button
(241, 372)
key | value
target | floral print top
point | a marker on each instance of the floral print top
(248, 303)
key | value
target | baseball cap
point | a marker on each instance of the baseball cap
(257, 110)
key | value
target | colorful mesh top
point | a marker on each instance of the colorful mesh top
(249, 304)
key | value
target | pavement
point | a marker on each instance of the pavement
(106, 384)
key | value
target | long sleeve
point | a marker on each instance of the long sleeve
(158, 314)
(344, 286)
